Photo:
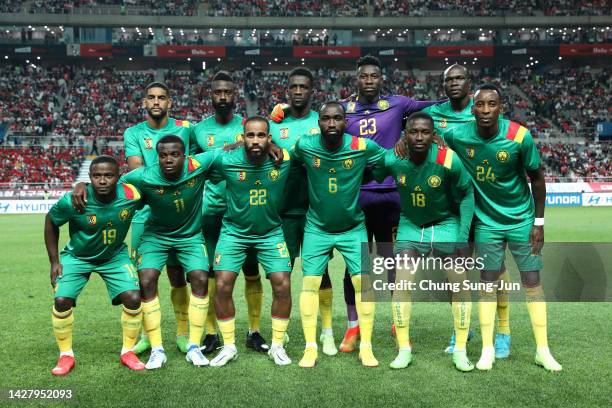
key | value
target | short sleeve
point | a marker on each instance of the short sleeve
(529, 153)
(374, 152)
(62, 211)
(208, 159)
(194, 147)
(132, 147)
(459, 175)
(134, 177)
(382, 168)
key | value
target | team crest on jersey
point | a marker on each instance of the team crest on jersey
(401, 180)
(350, 107)
(210, 141)
(242, 176)
(417, 188)
(124, 214)
(284, 133)
(148, 143)
(332, 170)
(109, 224)
(191, 182)
(470, 152)
(348, 163)
(314, 131)
(273, 174)
(217, 258)
(443, 123)
(485, 162)
(91, 219)
(383, 104)
(434, 181)
(316, 162)
(160, 191)
(502, 156)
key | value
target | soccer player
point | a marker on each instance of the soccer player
(437, 201)
(252, 225)
(140, 141)
(216, 131)
(96, 245)
(379, 118)
(300, 121)
(457, 111)
(173, 189)
(335, 163)
(497, 153)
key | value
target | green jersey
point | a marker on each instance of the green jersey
(176, 206)
(140, 140)
(253, 194)
(208, 135)
(334, 180)
(98, 233)
(286, 134)
(497, 167)
(431, 191)
(446, 118)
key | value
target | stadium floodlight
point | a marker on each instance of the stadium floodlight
(130, 58)
(6, 57)
(218, 59)
(361, 30)
(100, 58)
(38, 58)
(395, 59)
(252, 62)
(275, 59)
(27, 61)
(188, 58)
(560, 58)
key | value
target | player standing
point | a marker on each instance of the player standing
(214, 132)
(335, 163)
(457, 111)
(252, 225)
(96, 245)
(379, 118)
(140, 141)
(437, 201)
(299, 120)
(497, 153)
(173, 189)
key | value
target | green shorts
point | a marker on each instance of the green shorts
(154, 251)
(137, 229)
(293, 228)
(211, 229)
(440, 237)
(491, 248)
(118, 273)
(318, 245)
(270, 250)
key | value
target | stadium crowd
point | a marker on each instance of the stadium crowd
(74, 105)
(49, 167)
(577, 162)
(319, 8)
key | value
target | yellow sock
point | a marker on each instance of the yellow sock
(198, 308)
(211, 317)
(253, 292)
(537, 313)
(487, 305)
(228, 331)
(151, 319)
(461, 318)
(503, 306)
(325, 307)
(62, 328)
(309, 305)
(279, 328)
(180, 303)
(131, 323)
(401, 319)
(365, 310)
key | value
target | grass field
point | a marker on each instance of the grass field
(580, 338)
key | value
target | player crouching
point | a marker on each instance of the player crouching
(437, 205)
(96, 245)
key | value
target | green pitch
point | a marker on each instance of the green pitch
(579, 338)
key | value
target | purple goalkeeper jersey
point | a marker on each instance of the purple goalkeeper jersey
(381, 121)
